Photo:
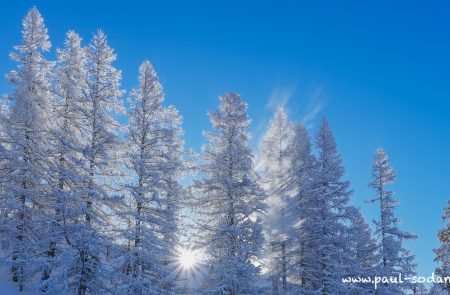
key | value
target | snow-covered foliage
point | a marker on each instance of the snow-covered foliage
(230, 198)
(393, 257)
(154, 148)
(100, 160)
(273, 163)
(68, 233)
(300, 184)
(363, 253)
(26, 138)
(443, 252)
(328, 257)
(438, 289)
(93, 198)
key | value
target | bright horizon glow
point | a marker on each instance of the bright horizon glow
(188, 258)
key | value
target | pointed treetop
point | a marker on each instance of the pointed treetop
(280, 129)
(34, 33)
(382, 170)
(73, 40)
(280, 117)
(147, 67)
(324, 128)
(280, 112)
(329, 157)
(100, 48)
(325, 139)
(274, 144)
(149, 82)
(280, 123)
(99, 35)
(232, 110)
(231, 99)
(73, 52)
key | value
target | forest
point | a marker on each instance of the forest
(98, 194)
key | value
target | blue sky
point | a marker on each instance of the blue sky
(380, 71)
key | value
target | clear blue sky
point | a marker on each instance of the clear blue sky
(379, 71)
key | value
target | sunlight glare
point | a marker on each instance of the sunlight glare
(188, 258)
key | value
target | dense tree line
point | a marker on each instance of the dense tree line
(90, 204)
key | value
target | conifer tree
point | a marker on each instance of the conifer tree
(69, 235)
(363, 250)
(230, 198)
(442, 254)
(274, 164)
(155, 151)
(27, 131)
(394, 258)
(102, 159)
(300, 185)
(329, 216)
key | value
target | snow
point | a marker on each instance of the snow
(88, 204)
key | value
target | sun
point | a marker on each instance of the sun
(188, 258)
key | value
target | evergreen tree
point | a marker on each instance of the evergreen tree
(273, 164)
(69, 235)
(394, 258)
(68, 218)
(300, 184)
(443, 252)
(155, 152)
(26, 134)
(101, 158)
(230, 199)
(329, 214)
(363, 253)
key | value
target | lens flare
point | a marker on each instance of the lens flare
(188, 258)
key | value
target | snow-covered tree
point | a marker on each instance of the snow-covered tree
(230, 199)
(103, 104)
(69, 234)
(86, 208)
(155, 150)
(328, 260)
(174, 165)
(26, 192)
(362, 248)
(300, 185)
(102, 160)
(443, 252)
(273, 165)
(394, 258)
(438, 289)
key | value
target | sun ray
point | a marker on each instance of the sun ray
(188, 258)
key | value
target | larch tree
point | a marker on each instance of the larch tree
(442, 254)
(87, 208)
(68, 233)
(363, 249)
(329, 215)
(230, 199)
(27, 135)
(102, 160)
(155, 151)
(300, 185)
(273, 165)
(175, 164)
(394, 258)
